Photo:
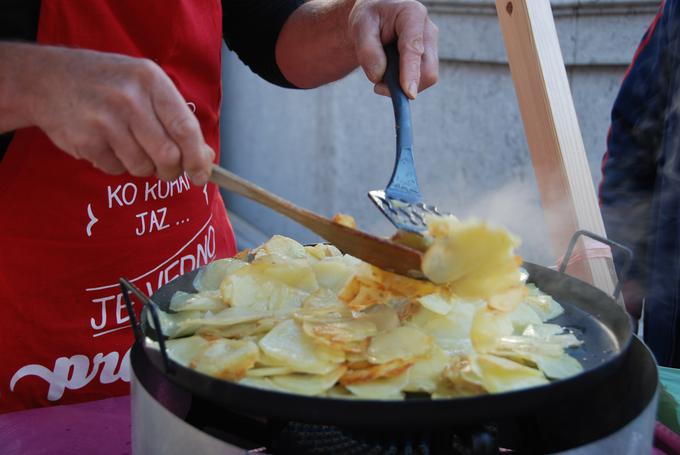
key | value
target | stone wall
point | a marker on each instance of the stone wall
(324, 149)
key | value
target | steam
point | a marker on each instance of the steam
(515, 206)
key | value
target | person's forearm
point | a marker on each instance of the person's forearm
(314, 47)
(15, 58)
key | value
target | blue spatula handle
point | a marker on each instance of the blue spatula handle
(403, 183)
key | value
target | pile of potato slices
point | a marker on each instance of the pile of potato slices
(309, 320)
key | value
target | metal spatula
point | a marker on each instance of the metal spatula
(401, 201)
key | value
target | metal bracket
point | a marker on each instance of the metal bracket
(626, 264)
(148, 305)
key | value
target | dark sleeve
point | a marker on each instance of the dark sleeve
(251, 28)
(633, 145)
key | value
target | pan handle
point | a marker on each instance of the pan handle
(628, 256)
(148, 305)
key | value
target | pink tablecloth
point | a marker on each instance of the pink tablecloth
(97, 427)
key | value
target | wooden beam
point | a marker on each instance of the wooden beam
(552, 131)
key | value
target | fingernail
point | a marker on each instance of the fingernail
(413, 89)
(199, 178)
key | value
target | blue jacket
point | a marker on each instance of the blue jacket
(640, 189)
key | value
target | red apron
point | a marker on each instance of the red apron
(68, 232)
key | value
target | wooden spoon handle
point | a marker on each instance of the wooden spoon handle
(239, 185)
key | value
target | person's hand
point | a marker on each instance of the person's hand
(119, 113)
(374, 23)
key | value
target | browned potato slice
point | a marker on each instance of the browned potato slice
(287, 344)
(361, 372)
(345, 220)
(340, 331)
(226, 359)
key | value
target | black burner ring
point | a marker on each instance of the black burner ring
(295, 438)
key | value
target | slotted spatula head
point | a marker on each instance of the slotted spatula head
(404, 216)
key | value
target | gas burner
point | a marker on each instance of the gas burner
(307, 439)
(297, 438)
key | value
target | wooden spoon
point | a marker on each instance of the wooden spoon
(374, 250)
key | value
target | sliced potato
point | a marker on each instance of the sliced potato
(308, 384)
(460, 248)
(184, 350)
(384, 317)
(361, 372)
(463, 378)
(488, 327)
(287, 344)
(400, 343)
(349, 331)
(333, 272)
(239, 331)
(345, 220)
(296, 273)
(203, 301)
(522, 316)
(321, 302)
(340, 392)
(281, 246)
(380, 389)
(257, 292)
(451, 332)
(321, 251)
(498, 283)
(559, 367)
(508, 299)
(211, 276)
(226, 359)
(261, 372)
(259, 383)
(436, 303)
(426, 373)
(544, 305)
(361, 292)
(176, 325)
(402, 285)
(501, 375)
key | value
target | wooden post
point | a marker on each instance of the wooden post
(552, 130)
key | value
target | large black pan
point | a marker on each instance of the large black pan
(595, 317)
